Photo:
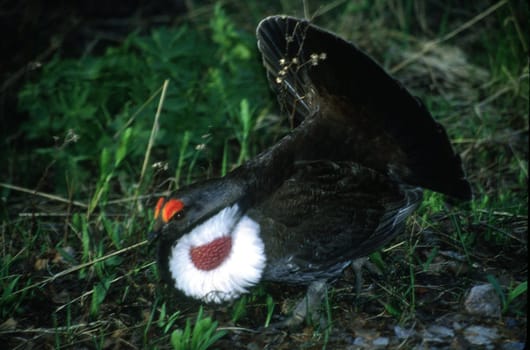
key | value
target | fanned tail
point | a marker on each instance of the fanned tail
(317, 74)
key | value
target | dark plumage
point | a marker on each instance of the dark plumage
(339, 186)
(391, 130)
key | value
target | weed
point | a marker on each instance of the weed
(239, 309)
(98, 296)
(270, 310)
(513, 292)
(102, 101)
(203, 334)
(166, 321)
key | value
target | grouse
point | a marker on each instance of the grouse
(338, 186)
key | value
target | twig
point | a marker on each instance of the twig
(79, 267)
(432, 44)
(325, 8)
(42, 194)
(154, 131)
(502, 213)
(36, 63)
(138, 111)
(238, 329)
(394, 246)
(504, 232)
(55, 330)
(92, 290)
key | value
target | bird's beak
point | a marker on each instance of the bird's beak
(153, 236)
(155, 233)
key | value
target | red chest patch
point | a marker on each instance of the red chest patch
(209, 256)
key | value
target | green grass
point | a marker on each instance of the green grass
(106, 134)
(203, 334)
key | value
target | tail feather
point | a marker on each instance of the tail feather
(317, 74)
(287, 79)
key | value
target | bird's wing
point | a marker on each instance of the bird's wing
(328, 213)
(317, 74)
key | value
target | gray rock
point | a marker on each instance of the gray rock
(359, 341)
(513, 346)
(479, 335)
(404, 333)
(482, 300)
(438, 334)
(381, 342)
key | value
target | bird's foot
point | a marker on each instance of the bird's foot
(357, 266)
(307, 309)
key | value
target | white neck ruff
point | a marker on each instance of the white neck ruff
(241, 269)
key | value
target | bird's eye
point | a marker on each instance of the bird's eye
(179, 214)
(173, 209)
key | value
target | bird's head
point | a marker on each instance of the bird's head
(207, 247)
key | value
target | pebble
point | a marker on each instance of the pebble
(482, 300)
(381, 342)
(480, 335)
(513, 346)
(404, 333)
(438, 334)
